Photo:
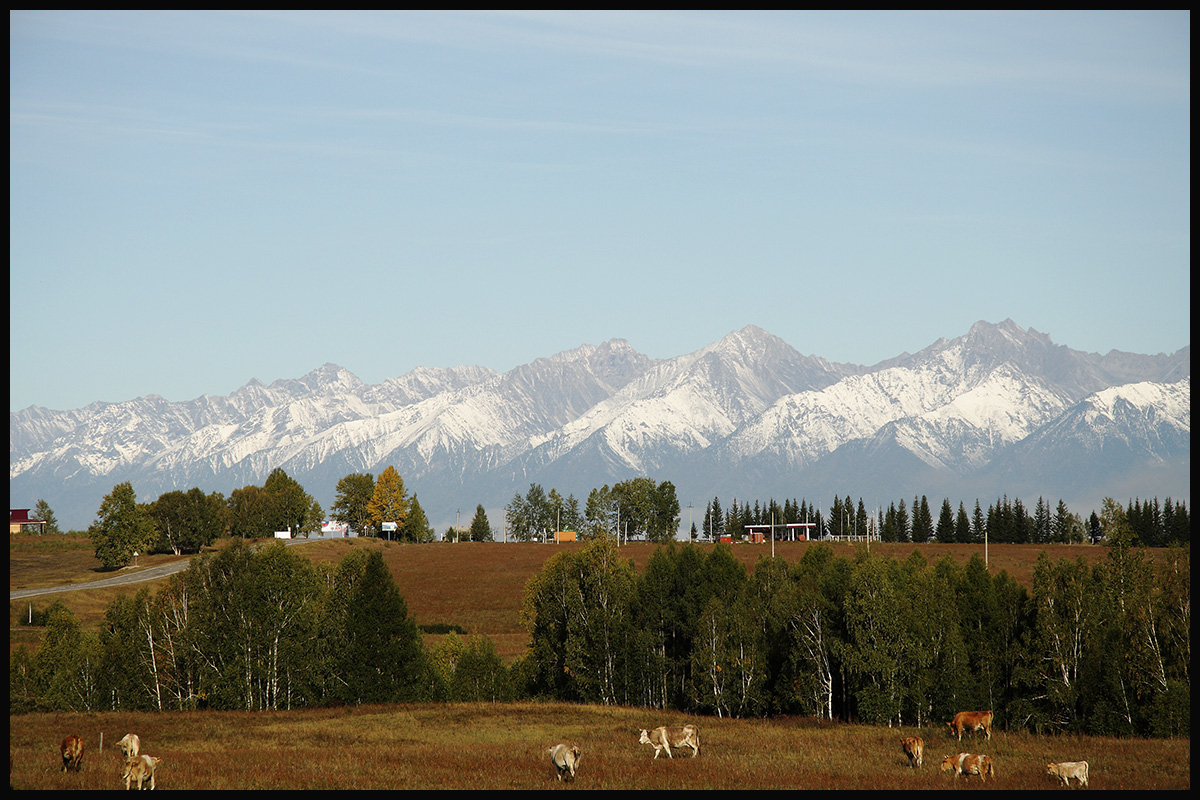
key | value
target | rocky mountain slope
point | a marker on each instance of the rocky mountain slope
(998, 410)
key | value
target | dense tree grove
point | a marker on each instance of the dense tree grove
(1102, 649)
(248, 627)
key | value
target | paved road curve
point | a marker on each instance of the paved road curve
(148, 574)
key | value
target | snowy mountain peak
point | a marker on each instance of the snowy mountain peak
(999, 409)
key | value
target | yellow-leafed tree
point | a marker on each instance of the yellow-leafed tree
(390, 501)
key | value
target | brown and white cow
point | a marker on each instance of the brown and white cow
(1066, 770)
(664, 738)
(968, 764)
(971, 721)
(564, 758)
(72, 753)
(914, 748)
(140, 769)
(130, 745)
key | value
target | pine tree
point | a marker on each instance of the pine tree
(416, 527)
(481, 531)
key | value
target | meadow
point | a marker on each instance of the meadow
(502, 746)
(479, 587)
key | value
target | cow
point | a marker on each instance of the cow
(72, 753)
(914, 748)
(968, 764)
(140, 769)
(130, 745)
(971, 721)
(664, 738)
(1069, 769)
(564, 758)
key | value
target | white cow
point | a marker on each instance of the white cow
(664, 738)
(564, 758)
(130, 745)
(1066, 770)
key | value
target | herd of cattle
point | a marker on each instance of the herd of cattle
(139, 768)
(564, 757)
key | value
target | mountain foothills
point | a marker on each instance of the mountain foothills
(998, 411)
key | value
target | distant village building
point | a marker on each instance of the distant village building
(19, 521)
(564, 536)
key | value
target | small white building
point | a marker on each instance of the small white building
(284, 534)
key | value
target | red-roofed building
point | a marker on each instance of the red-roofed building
(19, 521)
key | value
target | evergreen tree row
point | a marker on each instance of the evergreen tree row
(1004, 522)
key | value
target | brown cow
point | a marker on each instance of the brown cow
(72, 753)
(971, 721)
(564, 758)
(914, 748)
(140, 768)
(664, 738)
(968, 764)
(1069, 769)
(130, 745)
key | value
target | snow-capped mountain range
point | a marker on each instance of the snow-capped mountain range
(998, 411)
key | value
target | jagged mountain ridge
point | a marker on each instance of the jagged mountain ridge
(746, 416)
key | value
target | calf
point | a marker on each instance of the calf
(664, 738)
(968, 764)
(72, 753)
(1066, 770)
(914, 747)
(141, 768)
(564, 758)
(130, 745)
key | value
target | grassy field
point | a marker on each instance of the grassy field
(484, 746)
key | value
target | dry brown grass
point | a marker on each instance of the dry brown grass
(502, 746)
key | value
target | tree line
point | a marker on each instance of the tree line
(1103, 649)
(638, 508)
(1005, 522)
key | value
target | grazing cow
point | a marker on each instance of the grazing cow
(564, 758)
(971, 721)
(664, 738)
(1069, 769)
(72, 753)
(967, 764)
(914, 748)
(141, 768)
(130, 745)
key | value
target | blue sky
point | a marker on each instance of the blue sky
(199, 199)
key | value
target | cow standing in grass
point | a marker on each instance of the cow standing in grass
(914, 748)
(72, 753)
(1066, 770)
(664, 738)
(965, 721)
(564, 758)
(130, 745)
(968, 764)
(140, 769)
